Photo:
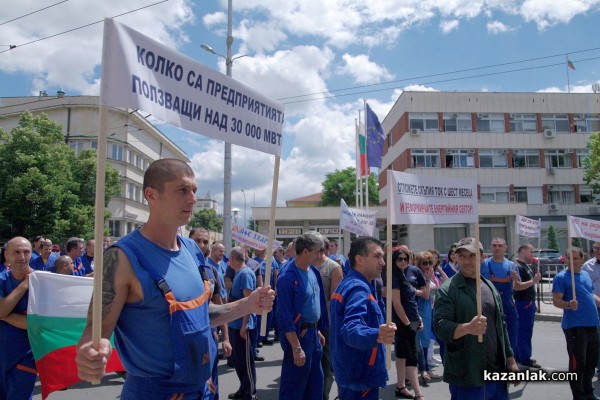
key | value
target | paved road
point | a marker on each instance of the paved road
(549, 350)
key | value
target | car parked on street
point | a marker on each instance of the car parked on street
(551, 262)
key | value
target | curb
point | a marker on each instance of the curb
(548, 317)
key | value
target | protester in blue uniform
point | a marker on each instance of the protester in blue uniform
(74, 248)
(17, 366)
(450, 267)
(301, 315)
(156, 302)
(63, 266)
(334, 252)
(525, 303)
(215, 258)
(87, 259)
(240, 330)
(579, 322)
(36, 246)
(503, 274)
(358, 331)
(46, 257)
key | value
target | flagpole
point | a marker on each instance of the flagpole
(263, 323)
(388, 269)
(538, 264)
(360, 181)
(478, 275)
(568, 81)
(358, 160)
(366, 197)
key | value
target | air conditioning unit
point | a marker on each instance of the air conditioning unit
(550, 187)
(595, 210)
(549, 133)
(480, 115)
(553, 206)
(550, 172)
(471, 151)
(569, 151)
(415, 132)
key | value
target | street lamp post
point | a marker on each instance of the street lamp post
(245, 220)
(227, 156)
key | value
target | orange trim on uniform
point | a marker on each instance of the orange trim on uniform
(370, 297)
(297, 318)
(26, 368)
(337, 296)
(504, 280)
(175, 305)
(364, 393)
(373, 357)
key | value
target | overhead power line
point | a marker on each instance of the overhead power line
(33, 12)
(84, 26)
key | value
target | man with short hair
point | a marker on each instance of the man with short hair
(503, 274)
(456, 322)
(36, 246)
(87, 259)
(240, 330)
(579, 322)
(202, 238)
(301, 315)
(17, 366)
(215, 259)
(63, 265)
(155, 299)
(333, 252)
(105, 242)
(46, 258)
(358, 330)
(75, 248)
(525, 303)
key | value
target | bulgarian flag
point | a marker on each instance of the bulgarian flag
(362, 166)
(570, 64)
(56, 317)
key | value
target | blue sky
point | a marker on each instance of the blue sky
(298, 47)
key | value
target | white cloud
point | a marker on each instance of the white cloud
(495, 27)
(217, 18)
(548, 13)
(419, 88)
(363, 70)
(449, 25)
(575, 88)
(259, 37)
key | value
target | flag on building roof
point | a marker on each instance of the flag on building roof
(570, 64)
(56, 317)
(375, 138)
(362, 167)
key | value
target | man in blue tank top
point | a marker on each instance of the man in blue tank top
(156, 301)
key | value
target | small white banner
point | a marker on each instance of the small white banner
(414, 199)
(143, 74)
(528, 227)
(584, 228)
(250, 238)
(360, 222)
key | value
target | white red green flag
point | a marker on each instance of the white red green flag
(56, 317)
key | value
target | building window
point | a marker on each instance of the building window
(493, 159)
(520, 194)
(559, 158)
(114, 228)
(581, 155)
(76, 145)
(490, 122)
(445, 237)
(457, 122)
(526, 158)
(426, 122)
(389, 140)
(425, 158)
(116, 152)
(559, 123)
(460, 158)
(94, 144)
(585, 194)
(494, 194)
(564, 194)
(526, 123)
(586, 123)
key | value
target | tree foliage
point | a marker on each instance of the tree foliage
(591, 175)
(206, 218)
(342, 185)
(45, 189)
(552, 243)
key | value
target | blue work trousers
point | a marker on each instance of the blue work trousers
(347, 394)
(526, 313)
(305, 382)
(489, 391)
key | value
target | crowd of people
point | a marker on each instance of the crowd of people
(170, 300)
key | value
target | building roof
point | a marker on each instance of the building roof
(310, 200)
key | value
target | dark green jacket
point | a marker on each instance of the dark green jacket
(465, 358)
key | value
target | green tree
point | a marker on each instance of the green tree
(206, 218)
(44, 188)
(577, 242)
(552, 243)
(342, 185)
(591, 175)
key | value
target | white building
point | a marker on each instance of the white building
(524, 149)
(133, 143)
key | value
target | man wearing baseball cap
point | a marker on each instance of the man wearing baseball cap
(456, 322)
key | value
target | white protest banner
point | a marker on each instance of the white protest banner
(528, 227)
(415, 199)
(253, 239)
(143, 74)
(584, 228)
(359, 222)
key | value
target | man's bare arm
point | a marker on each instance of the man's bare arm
(16, 320)
(259, 300)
